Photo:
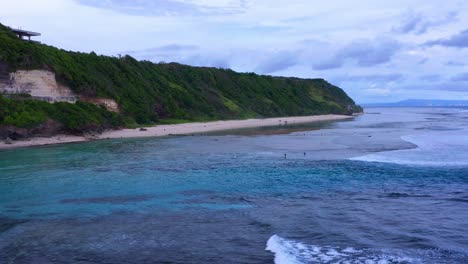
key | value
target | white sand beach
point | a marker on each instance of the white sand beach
(177, 129)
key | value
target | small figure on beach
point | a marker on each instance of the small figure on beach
(285, 156)
(304, 154)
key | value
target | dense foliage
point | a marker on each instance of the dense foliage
(75, 118)
(151, 93)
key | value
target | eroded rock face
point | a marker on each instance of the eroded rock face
(40, 84)
(110, 104)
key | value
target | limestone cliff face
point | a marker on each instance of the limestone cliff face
(40, 84)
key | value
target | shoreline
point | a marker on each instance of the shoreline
(174, 130)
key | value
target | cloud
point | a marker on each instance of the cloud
(423, 61)
(459, 40)
(175, 48)
(278, 61)
(168, 7)
(431, 77)
(332, 63)
(462, 77)
(413, 22)
(207, 60)
(364, 53)
(170, 48)
(371, 78)
(441, 86)
(183, 53)
(166, 53)
(378, 91)
(264, 62)
(455, 63)
(417, 23)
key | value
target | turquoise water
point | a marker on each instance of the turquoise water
(388, 187)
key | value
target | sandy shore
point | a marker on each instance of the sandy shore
(178, 129)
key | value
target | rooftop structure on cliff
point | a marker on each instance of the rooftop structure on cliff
(23, 34)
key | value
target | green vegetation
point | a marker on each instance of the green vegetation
(149, 93)
(75, 118)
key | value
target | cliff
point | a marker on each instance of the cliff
(40, 84)
(147, 93)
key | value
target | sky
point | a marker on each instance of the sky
(377, 51)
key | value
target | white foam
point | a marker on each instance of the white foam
(285, 252)
(437, 148)
(292, 252)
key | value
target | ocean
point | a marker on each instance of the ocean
(390, 186)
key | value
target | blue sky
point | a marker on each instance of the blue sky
(377, 51)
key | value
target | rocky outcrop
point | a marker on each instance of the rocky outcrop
(110, 104)
(40, 84)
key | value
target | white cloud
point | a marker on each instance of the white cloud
(378, 91)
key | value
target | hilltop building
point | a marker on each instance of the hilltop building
(24, 34)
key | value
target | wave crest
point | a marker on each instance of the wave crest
(447, 148)
(292, 252)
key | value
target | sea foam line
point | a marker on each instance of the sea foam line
(293, 252)
(438, 148)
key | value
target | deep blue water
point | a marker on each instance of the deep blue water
(390, 186)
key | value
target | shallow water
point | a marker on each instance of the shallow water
(390, 186)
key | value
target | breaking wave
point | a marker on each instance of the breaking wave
(292, 252)
(447, 148)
